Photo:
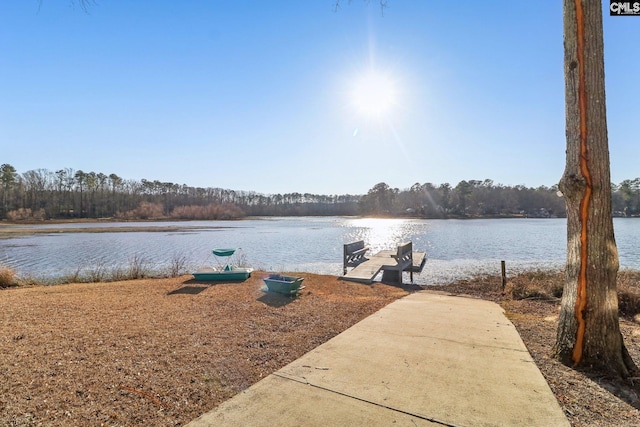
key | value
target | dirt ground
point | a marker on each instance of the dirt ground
(163, 351)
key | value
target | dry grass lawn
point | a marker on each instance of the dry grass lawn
(158, 352)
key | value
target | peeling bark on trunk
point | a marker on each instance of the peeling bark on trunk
(588, 329)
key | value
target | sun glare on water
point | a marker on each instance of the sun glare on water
(374, 94)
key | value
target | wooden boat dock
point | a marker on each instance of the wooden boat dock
(391, 263)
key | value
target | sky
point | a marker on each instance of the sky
(297, 96)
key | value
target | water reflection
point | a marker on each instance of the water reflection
(379, 233)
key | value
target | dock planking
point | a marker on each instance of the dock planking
(369, 269)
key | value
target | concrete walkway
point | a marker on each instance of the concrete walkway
(425, 360)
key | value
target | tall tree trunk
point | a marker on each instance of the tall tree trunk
(588, 330)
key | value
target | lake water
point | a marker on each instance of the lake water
(455, 248)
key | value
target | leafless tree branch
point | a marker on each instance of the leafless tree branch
(85, 5)
(383, 5)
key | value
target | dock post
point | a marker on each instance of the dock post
(344, 260)
(504, 274)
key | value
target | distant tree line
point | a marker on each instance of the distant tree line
(68, 194)
(468, 199)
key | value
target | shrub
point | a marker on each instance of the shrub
(536, 284)
(8, 277)
(208, 212)
(137, 268)
(628, 303)
(26, 215)
(73, 277)
(547, 286)
(178, 265)
(520, 290)
(145, 210)
(97, 273)
(628, 293)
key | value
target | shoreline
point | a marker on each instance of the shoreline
(8, 233)
(10, 229)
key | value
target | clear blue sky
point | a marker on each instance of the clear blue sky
(259, 95)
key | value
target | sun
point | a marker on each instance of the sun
(374, 94)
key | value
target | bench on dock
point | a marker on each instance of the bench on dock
(354, 255)
(404, 261)
(392, 263)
